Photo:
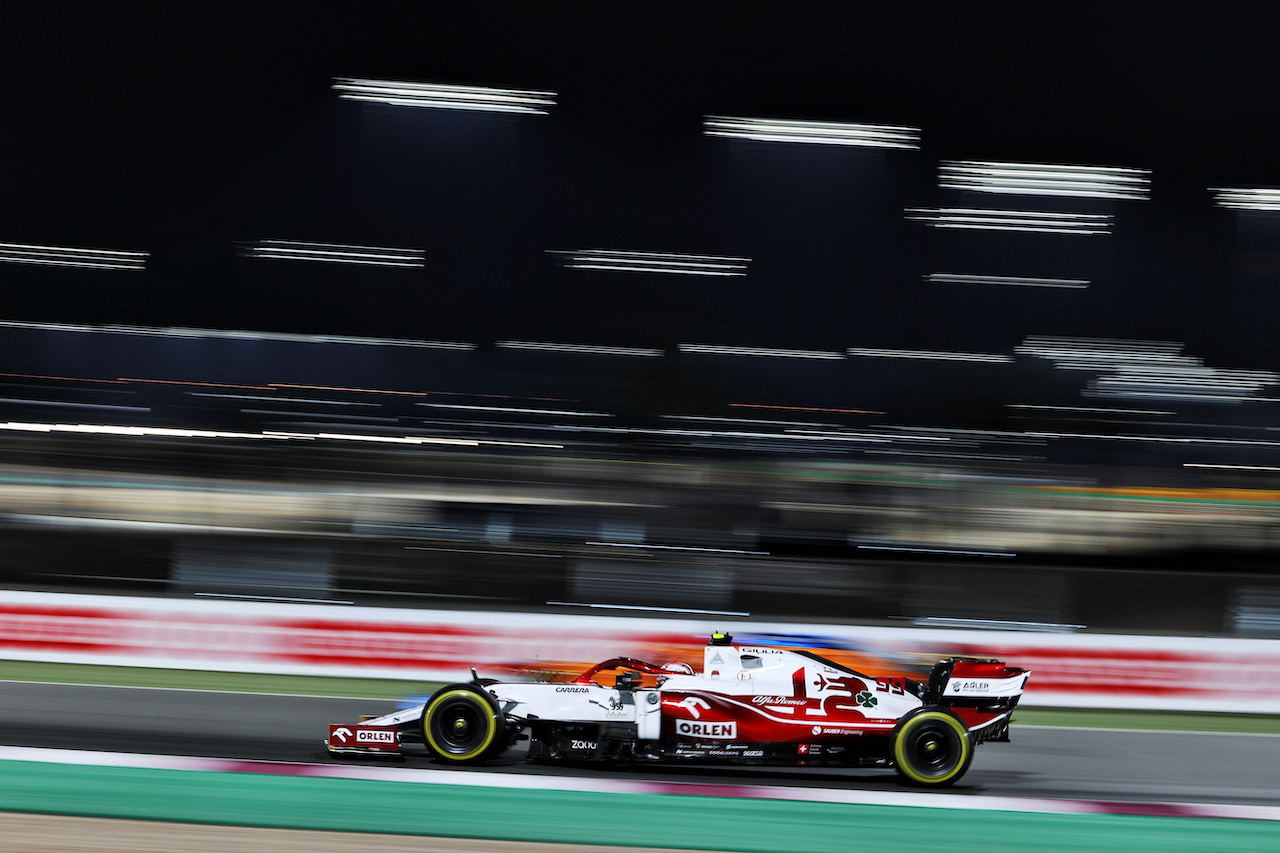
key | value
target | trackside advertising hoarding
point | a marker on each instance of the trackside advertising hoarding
(1069, 670)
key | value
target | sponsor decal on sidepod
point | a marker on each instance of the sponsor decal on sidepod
(717, 731)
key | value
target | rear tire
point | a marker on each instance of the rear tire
(932, 748)
(461, 724)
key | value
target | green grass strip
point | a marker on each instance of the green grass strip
(641, 820)
(186, 679)
(1174, 721)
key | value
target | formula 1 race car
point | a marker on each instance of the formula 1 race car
(757, 705)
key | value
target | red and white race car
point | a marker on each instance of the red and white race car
(750, 705)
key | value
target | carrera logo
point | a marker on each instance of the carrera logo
(718, 731)
(375, 736)
(572, 690)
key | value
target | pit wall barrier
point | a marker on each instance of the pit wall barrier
(1069, 670)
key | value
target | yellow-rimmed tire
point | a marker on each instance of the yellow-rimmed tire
(462, 725)
(932, 747)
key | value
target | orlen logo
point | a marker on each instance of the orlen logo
(718, 731)
(375, 736)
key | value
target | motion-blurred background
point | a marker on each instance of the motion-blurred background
(808, 313)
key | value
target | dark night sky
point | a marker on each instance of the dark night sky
(183, 129)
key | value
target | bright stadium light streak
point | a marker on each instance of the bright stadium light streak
(1002, 436)
(806, 409)
(742, 446)
(445, 96)
(276, 386)
(1011, 281)
(1158, 439)
(972, 457)
(526, 427)
(708, 349)
(651, 609)
(773, 436)
(165, 432)
(707, 419)
(643, 545)
(279, 399)
(827, 435)
(483, 551)
(854, 435)
(62, 256)
(1092, 353)
(994, 624)
(517, 410)
(240, 597)
(1032, 221)
(1091, 409)
(391, 439)
(582, 349)
(59, 404)
(335, 253)
(937, 551)
(407, 440)
(1244, 198)
(327, 417)
(987, 357)
(1148, 370)
(1049, 180)
(233, 334)
(1231, 467)
(813, 132)
(617, 260)
(107, 429)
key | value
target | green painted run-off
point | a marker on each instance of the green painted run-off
(639, 820)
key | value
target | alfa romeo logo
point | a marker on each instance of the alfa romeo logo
(865, 699)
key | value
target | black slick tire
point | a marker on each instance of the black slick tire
(931, 748)
(461, 724)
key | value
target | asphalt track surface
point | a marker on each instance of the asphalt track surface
(1055, 763)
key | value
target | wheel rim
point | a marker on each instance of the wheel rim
(461, 727)
(932, 750)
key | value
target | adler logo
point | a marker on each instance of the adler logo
(718, 731)
(970, 686)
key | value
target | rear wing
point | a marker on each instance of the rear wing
(970, 681)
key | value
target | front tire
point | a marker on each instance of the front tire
(932, 748)
(461, 724)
